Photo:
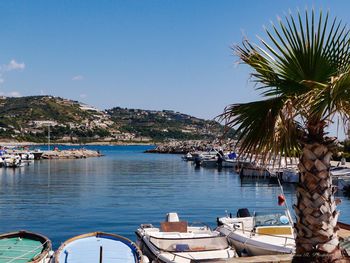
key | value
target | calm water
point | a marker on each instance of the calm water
(118, 192)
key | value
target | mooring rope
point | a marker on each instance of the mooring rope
(19, 257)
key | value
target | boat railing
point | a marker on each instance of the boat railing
(243, 228)
(235, 226)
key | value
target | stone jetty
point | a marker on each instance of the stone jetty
(70, 154)
(183, 147)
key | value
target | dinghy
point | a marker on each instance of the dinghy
(22, 247)
(175, 241)
(266, 233)
(99, 247)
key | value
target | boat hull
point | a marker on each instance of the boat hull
(246, 245)
(254, 172)
(156, 256)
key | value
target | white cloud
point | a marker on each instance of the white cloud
(11, 66)
(83, 96)
(78, 77)
(14, 65)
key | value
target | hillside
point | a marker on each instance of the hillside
(32, 118)
(160, 125)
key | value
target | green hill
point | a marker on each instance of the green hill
(166, 124)
(31, 118)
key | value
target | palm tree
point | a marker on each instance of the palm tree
(303, 72)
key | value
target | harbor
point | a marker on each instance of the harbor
(127, 188)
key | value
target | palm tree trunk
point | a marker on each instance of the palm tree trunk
(316, 230)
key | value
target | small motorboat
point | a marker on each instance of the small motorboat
(175, 241)
(341, 177)
(99, 247)
(23, 246)
(261, 234)
(12, 161)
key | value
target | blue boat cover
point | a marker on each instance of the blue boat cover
(88, 250)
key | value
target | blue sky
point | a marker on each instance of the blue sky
(169, 54)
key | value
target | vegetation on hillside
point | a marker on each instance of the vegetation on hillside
(161, 125)
(31, 118)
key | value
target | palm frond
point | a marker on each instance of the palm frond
(266, 128)
(302, 70)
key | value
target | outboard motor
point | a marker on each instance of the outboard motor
(172, 217)
(218, 222)
(243, 212)
(197, 161)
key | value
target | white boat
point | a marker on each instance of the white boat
(290, 175)
(12, 161)
(229, 163)
(286, 175)
(209, 163)
(175, 241)
(340, 177)
(340, 171)
(260, 234)
(189, 157)
(254, 171)
(99, 247)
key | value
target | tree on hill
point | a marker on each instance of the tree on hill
(302, 70)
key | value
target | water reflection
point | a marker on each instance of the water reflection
(116, 193)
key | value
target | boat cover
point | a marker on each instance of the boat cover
(88, 250)
(19, 250)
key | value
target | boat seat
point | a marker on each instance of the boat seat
(274, 230)
(174, 226)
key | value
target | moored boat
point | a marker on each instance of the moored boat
(254, 172)
(261, 234)
(175, 241)
(341, 178)
(12, 161)
(23, 246)
(99, 247)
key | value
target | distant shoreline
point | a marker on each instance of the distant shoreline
(15, 143)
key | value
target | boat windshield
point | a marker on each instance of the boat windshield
(271, 219)
(190, 244)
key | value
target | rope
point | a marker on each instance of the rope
(19, 257)
(285, 201)
(189, 257)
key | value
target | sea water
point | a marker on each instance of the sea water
(123, 189)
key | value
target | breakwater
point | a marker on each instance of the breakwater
(70, 154)
(183, 147)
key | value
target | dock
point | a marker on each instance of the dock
(283, 258)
